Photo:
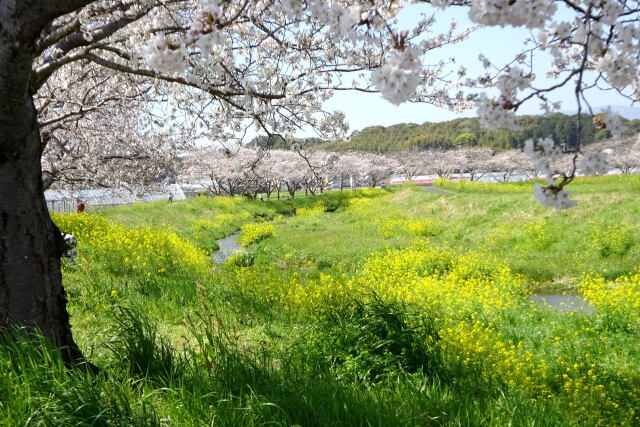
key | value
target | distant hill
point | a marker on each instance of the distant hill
(276, 142)
(630, 113)
(468, 132)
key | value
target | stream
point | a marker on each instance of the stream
(227, 247)
(562, 302)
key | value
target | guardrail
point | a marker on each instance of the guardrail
(61, 206)
(70, 206)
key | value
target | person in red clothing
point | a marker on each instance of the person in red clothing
(80, 206)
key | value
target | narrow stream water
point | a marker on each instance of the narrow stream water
(562, 302)
(228, 246)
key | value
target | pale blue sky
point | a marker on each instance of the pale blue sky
(500, 45)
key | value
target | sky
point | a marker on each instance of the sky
(500, 45)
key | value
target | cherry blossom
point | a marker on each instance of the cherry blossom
(399, 77)
(595, 163)
(529, 13)
(543, 154)
(553, 199)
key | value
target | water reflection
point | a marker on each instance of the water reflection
(562, 302)
(228, 246)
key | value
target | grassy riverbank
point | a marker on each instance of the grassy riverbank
(372, 307)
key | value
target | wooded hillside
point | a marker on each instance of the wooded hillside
(468, 132)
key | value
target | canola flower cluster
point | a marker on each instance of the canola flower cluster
(463, 186)
(362, 200)
(205, 231)
(472, 297)
(360, 205)
(473, 300)
(479, 346)
(448, 286)
(136, 251)
(421, 227)
(618, 299)
(519, 238)
(370, 192)
(610, 239)
(315, 210)
(538, 232)
(253, 233)
(435, 279)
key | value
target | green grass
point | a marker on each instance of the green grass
(223, 384)
(206, 219)
(272, 337)
(549, 247)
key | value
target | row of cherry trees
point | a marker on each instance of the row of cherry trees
(252, 171)
(249, 171)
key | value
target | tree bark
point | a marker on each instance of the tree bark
(31, 292)
(291, 191)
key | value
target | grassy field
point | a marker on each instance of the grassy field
(371, 307)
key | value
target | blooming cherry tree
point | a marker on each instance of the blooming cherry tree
(376, 167)
(624, 153)
(224, 171)
(508, 163)
(98, 131)
(269, 64)
(476, 162)
(294, 169)
(439, 163)
(346, 168)
(411, 164)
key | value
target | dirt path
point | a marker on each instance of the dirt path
(436, 190)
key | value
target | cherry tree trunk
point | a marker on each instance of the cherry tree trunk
(31, 292)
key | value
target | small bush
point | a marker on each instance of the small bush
(241, 259)
(253, 233)
(378, 340)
